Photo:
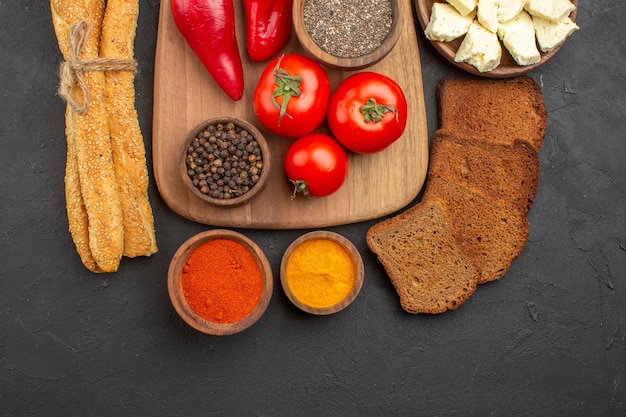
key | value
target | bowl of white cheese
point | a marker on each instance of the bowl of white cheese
(497, 39)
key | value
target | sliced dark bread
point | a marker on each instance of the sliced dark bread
(482, 179)
(426, 265)
(506, 174)
(493, 110)
(492, 234)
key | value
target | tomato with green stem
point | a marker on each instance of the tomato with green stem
(316, 165)
(367, 112)
(291, 96)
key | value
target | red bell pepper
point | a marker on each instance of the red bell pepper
(208, 27)
(268, 27)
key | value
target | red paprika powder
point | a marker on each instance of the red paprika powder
(221, 281)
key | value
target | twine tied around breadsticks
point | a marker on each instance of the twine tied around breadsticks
(72, 70)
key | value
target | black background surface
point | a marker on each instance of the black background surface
(546, 340)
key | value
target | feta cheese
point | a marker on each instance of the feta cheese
(552, 34)
(518, 37)
(446, 23)
(553, 10)
(509, 9)
(480, 48)
(488, 14)
(464, 7)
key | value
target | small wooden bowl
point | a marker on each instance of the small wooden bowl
(340, 63)
(356, 258)
(265, 153)
(175, 289)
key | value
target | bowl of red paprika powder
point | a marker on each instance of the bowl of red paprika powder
(220, 282)
(225, 161)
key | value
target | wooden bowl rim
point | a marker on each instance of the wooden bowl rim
(179, 302)
(358, 263)
(448, 49)
(341, 63)
(265, 151)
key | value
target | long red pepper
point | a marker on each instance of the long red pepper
(208, 26)
(268, 27)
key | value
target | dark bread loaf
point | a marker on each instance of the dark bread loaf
(426, 265)
(503, 173)
(493, 110)
(492, 234)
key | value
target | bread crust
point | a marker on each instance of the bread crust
(117, 41)
(88, 134)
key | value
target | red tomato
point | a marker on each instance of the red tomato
(367, 112)
(316, 164)
(292, 95)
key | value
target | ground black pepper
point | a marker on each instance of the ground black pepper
(224, 161)
(348, 28)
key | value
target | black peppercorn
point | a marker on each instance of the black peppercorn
(224, 161)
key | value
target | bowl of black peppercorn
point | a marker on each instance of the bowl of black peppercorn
(225, 161)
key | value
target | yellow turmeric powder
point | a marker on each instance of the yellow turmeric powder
(320, 273)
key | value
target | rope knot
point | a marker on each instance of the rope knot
(72, 70)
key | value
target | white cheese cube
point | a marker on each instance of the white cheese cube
(552, 34)
(508, 9)
(518, 37)
(553, 10)
(488, 14)
(446, 23)
(480, 48)
(464, 7)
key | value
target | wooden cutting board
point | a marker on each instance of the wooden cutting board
(377, 185)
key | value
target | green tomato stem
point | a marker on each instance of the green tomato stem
(299, 186)
(375, 112)
(287, 86)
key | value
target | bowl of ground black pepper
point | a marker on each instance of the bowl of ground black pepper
(225, 161)
(347, 34)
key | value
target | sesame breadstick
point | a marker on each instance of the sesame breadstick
(76, 212)
(88, 133)
(117, 41)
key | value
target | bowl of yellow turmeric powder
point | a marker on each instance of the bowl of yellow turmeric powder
(220, 282)
(321, 272)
